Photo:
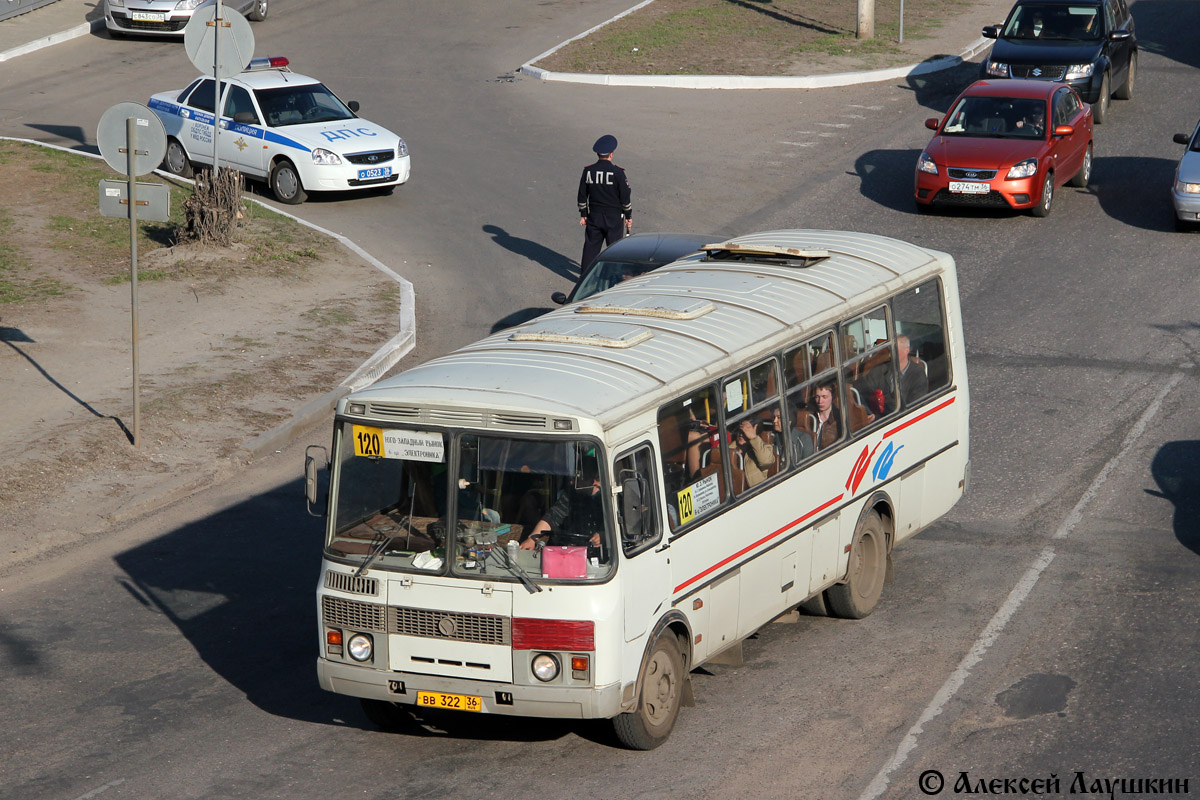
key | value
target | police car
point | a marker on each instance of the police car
(284, 128)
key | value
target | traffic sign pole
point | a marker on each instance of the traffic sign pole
(131, 136)
(217, 84)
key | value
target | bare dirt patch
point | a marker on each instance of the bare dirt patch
(232, 342)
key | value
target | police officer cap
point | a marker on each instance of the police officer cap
(605, 145)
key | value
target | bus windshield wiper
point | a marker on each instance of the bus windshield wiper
(511, 565)
(378, 544)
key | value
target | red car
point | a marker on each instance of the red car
(994, 148)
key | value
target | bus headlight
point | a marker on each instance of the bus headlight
(545, 667)
(360, 647)
(325, 157)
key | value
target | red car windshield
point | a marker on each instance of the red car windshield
(997, 117)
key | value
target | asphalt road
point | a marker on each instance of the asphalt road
(1047, 626)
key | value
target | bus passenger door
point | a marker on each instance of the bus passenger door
(645, 572)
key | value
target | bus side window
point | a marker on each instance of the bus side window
(920, 321)
(637, 501)
(692, 469)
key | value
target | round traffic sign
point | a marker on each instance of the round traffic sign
(236, 45)
(149, 138)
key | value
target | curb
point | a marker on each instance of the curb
(935, 64)
(308, 415)
(82, 29)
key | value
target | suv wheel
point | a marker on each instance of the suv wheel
(1100, 107)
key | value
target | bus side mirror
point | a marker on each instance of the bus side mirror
(633, 509)
(310, 476)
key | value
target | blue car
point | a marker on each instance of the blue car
(1089, 44)
(1185, 191)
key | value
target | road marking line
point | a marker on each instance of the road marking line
(100, 790)
(1012, 603)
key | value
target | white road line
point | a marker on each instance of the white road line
(101, 789)
(1016, 597)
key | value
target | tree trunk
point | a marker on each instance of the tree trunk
(866, 20)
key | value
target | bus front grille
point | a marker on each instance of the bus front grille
(341, 613)
(346, 582)
(478, 628)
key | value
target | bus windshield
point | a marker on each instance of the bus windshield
(398, 503)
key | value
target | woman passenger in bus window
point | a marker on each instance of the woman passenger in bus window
(758, 456)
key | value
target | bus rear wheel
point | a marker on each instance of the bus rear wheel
(858, 596)
(659, 699)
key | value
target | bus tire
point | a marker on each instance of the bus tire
(286, 185)
(857, 597)
(662, 682)
(388, 716)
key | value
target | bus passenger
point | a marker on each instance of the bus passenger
(757, 454)
(824, 413)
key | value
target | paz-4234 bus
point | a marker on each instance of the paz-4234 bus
(566, 518)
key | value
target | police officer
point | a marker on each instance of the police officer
(603, 202)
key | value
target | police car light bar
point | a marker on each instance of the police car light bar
(274, 62)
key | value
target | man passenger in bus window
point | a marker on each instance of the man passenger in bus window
(757, 454)
(576, 518)
(914, 383)
(825, 415)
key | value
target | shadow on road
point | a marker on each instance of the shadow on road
(1176, 470)
(936, 90)
(518, 318)
(240, 585)
(552, 260)
(1135, 190)
(886, 177)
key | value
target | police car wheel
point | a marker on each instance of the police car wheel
(176, 160)
(285, 183)
(258, 12)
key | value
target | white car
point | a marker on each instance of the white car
(1185, 192)
(166, 17)
(281, 127)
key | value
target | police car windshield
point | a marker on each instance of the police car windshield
(301, 105)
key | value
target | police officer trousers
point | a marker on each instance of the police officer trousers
(604, 226)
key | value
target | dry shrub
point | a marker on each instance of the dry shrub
(215, 208)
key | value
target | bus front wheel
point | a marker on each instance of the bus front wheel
(658, 702)
(857, 597)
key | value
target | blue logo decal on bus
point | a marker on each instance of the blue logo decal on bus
(884, 465)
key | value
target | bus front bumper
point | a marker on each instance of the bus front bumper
(603, 702)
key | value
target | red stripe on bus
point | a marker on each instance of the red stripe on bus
(766, 538)
(918, 417)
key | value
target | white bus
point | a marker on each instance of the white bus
(565, 518)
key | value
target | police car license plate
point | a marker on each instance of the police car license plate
(374, 172)
(458, 702)
(969, 187)
(148, 16)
